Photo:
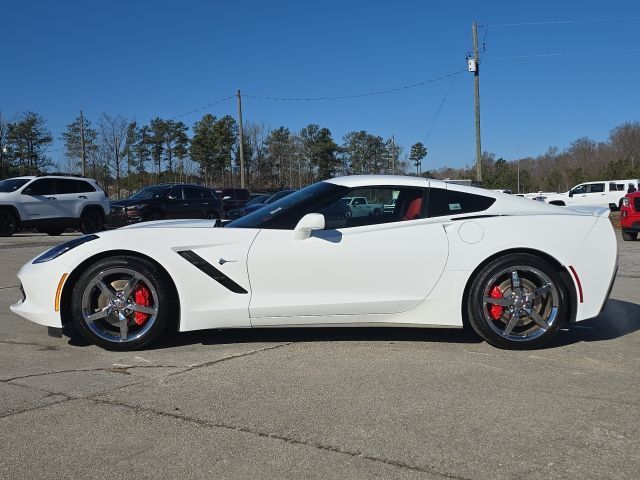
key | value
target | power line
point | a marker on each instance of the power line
(563, 54)
(360, 95)
(203, 108)
(444, 99)
(562, 22)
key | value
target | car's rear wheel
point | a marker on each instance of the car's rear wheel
(629, 236)
(8, 223)
(91, 222)
(122, 303)
(518, 301)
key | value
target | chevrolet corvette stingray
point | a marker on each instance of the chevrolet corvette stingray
(442, 255)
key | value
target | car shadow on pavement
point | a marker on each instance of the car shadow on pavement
(618, 319)
(277, 335)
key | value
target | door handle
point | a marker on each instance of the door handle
(51, 198)
(83, 196)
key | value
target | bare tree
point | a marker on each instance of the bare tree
(113, 134)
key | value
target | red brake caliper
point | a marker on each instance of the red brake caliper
(495, 310)
(142, 296)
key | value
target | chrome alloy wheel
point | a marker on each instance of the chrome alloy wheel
(520, 303)
(110, 309)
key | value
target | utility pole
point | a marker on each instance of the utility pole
(84, 160)
(475, 68)
(393, 155)
(518, 155)
(241, 133)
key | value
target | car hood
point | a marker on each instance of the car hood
(171, 224)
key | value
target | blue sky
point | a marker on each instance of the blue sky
(164, 58)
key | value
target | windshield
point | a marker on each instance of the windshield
(288, 210)
(277, 196)
(12, 184)
(150, 192)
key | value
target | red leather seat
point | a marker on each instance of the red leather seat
(414, 209)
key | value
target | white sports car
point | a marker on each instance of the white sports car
(446, 254)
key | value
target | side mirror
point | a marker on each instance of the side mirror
(571, 193)
(26, 191)
(308, 223)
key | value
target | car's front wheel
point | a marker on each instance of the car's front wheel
(122, 303)
(517, 301)
(629, 236)
(8, 223)
(91, 222)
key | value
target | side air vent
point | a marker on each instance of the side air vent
(200, 263)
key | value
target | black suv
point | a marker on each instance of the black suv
(165, 201)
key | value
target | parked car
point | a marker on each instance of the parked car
(241, 212)
(158, 202)
(360, 206)
(51, 204)
(467, 254)
(630, 216)
(233, 198)
(255, 200)
(594, 194)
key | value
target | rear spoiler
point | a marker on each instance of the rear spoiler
(595, 211)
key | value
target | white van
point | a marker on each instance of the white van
(603, 193)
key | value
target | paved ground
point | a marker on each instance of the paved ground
(336, 403)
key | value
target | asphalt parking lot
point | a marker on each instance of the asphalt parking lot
(325, 403)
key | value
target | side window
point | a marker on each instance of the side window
(207, 193)
(191, 193)
(176, 194)
(596, 188)
(65, 186)
(43, 186)
(376, 205)
(580, 189)
(85, 187)
(450, 202)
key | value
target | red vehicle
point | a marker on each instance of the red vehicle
(630, 216)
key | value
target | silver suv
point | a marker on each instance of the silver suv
(51, 204)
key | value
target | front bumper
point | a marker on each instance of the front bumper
(39, 285)
(120, 219)
(630, 225)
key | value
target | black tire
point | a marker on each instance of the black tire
(88, 298)
(549, 306)
(8, 223)
(53, 232)
(91, 221)
(153, 216)
(629, 236)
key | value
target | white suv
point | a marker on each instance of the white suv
(51, 204)
(594, 194)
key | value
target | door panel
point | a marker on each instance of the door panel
(40, 202)
(373, 269)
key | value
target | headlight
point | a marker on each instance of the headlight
(55, 252)
(139, 206)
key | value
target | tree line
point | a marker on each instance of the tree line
(125, 155)
(616, 158)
